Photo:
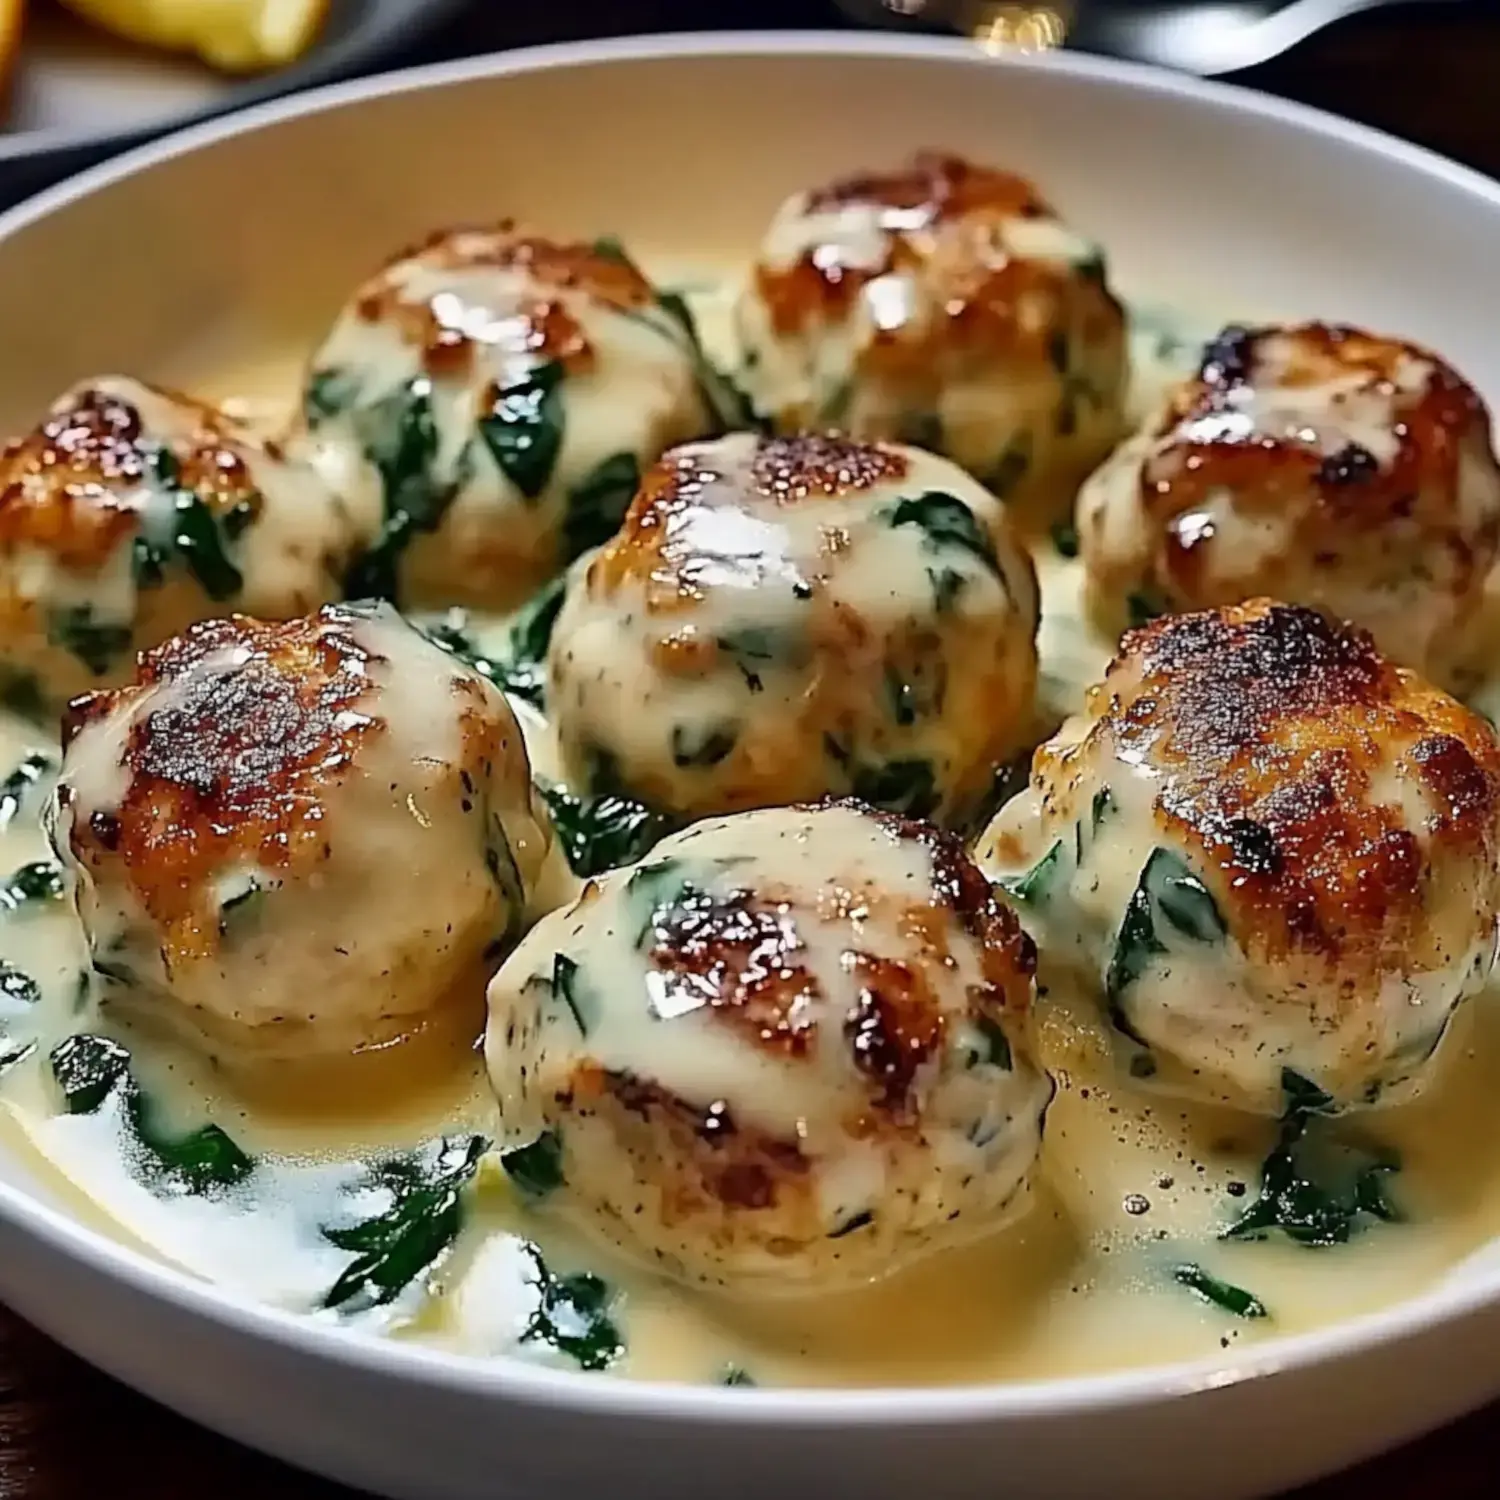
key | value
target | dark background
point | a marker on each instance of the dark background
(1427, 71)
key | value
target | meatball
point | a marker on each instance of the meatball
(300, 839)
(783, 618)
(492, 397)
(131, 512)
(943, 304)
(786, 1052)
(1269, 851)
(1319, 464)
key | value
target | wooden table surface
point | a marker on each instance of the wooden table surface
(1427, 71)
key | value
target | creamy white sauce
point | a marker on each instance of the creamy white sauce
(1131, 1187)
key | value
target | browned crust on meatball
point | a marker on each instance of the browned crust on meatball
(705, 1163)
(1208, 449)
(231, 766)
(538, 327)
(1274, 730)
(783, 471)
(75, 486)
(943, 219)
(739, 954)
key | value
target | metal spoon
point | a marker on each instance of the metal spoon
(1196, 36)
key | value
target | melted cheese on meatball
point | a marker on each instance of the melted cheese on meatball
(785, 1052)
(130, 513)
(298, 839)
(943, 304)
(1317, 464)
(492, 398)
(781, 618)
(1270, 850)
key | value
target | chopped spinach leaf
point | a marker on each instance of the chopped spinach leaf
(536, 1169)
(524, 430)
(97, 645)
(598, 502)
(1065, 539)
(573, 1317)
(88, 1069)
(703, 746)
(1141, 610)
(1315, 1191)
(395, 1247)
(730, 406)
(1033, 887)
(521, 671)
(17, 984)
(1093, 267)
(946, 523)
(400, 438)
(997, 1045)
(1168, 890)
(604, 830)
(42, 880)
(329, 394)
(734, 1375)
(947, 585)
(17, 786)
(573, 992)
(1223, 1295)
(189, 531)
(900, 786)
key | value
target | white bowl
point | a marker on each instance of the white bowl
(229, 244)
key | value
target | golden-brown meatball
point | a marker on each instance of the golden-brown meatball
(492, 397)
(131, 512)
(298, 839)
(943, 304)
(1318, 464)
(783, 618)
(785, 1053)
(1268, 849)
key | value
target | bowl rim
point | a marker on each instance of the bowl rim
(507, 1377)
(325, 60)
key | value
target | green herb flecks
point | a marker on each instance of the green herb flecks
(524, 429)
(89, 1069)
(18, 786)
(536, 1169)
(1316, 1189)
(573, 1317)
(394, 1248)
(42, 880)
(947, 523)
(753, 648)
(399, 436)
(96, 644)
(1221, 1294)
(598, 502)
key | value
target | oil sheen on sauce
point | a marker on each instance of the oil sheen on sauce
(1134, 1186)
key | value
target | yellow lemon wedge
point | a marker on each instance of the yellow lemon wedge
(238, 36)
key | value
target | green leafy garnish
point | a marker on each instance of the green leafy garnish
(97, 645)
(598, 502)
(188, 530)
(329, 393)
(1141, 610)
(18, 785)
(536, 1169)
(996, 1044)
(1065, 539)
(1315, 1192)
(524, 430)
(947, 585)
(400, 438)
(42, 880)
(1166, 892)
(573, 1317)
(733, 1375)
(604, 830)
(395, 1247)
(522, 669)
(1231, 1299)
(947, 523)
(88, 1069)
(731, 407)
(1035, 885)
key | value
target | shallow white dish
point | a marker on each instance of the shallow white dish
(232, 241)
